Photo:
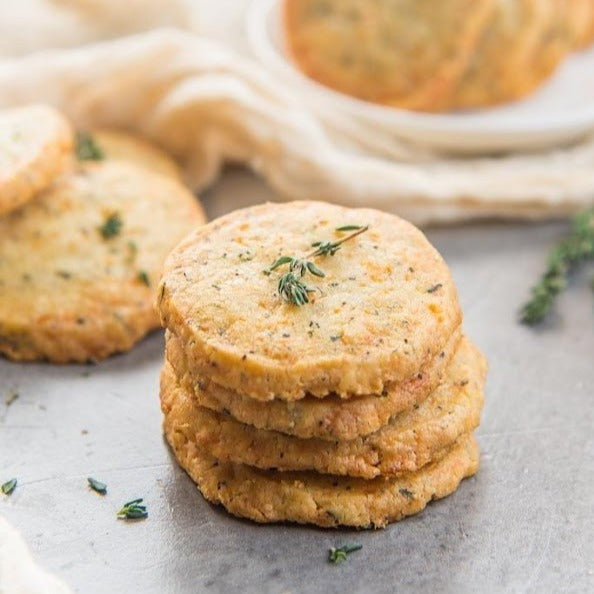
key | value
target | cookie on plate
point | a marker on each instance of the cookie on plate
(408, 442)
(495, 76)
(36, 148)
(121, 146)
(79, 265)
(404, 53)
(385, 306)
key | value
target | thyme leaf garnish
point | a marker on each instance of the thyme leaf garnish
(87, 149)
(349, 228)
(290, 286)
(97, 485)
(9, 486)
(338, 555)
(133, 510)
(111, 226)
(564, 258)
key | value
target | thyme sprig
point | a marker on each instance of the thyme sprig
(290, 286)
(338, 555)
(564, 258)
(133, 510)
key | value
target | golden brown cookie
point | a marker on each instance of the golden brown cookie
(386, 306)
(311, 498)
(36, 147)
(121, 146)
(405, 53)
(558, 38)
(330, 418)
(411, 440)
(79, 265)
(497, 69)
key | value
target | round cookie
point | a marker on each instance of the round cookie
(495, 76)
(558, 37)
(405, 53)
(116, 145)
(411, 440)
(79, 265)
(330, 418)
(311, 498)
(36, 147)
(385, 308)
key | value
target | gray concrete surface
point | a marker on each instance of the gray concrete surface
(525, 523)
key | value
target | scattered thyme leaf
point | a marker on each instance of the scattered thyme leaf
(408, 494)
(564, 258)
(87, 149)
(9, 486)
(97, 486)
(144, 278)
(338, 555)
(133, 510)
(111, 226)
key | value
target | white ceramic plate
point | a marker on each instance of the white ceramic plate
(561, 111)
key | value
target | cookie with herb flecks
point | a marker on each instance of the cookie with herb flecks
(410, 440)
(121, 146)
(35, 147)
(332, 418)
(404, 53)
(495, 76)
(79, 265)
(280, 301)
(312, 498)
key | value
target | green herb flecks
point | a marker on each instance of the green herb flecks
(133, 510)
(290, 286)
(144, 278)
(338, 555)
(9, 486)
(112, 226)
(574, 250)
(87, 149)
(97, 485)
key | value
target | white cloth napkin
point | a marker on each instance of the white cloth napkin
(18, 572)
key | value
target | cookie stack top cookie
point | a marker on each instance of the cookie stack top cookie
(385, 308)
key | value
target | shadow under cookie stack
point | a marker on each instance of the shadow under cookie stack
(316, 370)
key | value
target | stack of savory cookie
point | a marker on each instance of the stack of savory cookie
(85, 228)
(316, 370)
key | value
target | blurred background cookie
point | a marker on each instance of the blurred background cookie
(115, 145)
(405, 53)
(435, 56)
(79, 264)
(35, 147)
